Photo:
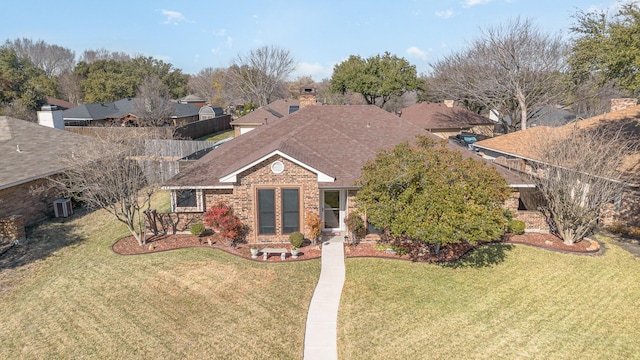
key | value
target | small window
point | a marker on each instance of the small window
(290, 210)
(293, 108)
(186, 198)
(266, 212)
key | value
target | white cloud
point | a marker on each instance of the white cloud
(229, 41)
(221, 33)
(173, 17)
(316, 71)
(470, 3)
(417, 53)
(445, 14)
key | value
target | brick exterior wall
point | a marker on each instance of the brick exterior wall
(12, 228)
(243, 196)
(534, 221)
(20, 200)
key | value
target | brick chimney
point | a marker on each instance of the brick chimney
(307, 96)
(621, 104)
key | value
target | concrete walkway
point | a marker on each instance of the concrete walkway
(320, 339)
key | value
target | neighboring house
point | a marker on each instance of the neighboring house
(306, 161)
(30, 154)
(258, 117)
(551, 116)
(274, 111)
(193, 100)
(518, 151)
(122, 113)
(60, 104)
(446, 119)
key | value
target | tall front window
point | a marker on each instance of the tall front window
(290, 211)
(266, 212)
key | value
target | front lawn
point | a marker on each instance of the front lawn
(506, 301)
(75, 298)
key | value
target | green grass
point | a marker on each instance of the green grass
(509, 302)
(220, 135)
(79, 300)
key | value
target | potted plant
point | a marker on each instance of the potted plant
(254, 252)
(297, 240)
(314, 226)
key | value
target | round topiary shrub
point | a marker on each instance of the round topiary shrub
(197, 229)
(516, 227)
(296, 239)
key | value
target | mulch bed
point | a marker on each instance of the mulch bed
(158, 243)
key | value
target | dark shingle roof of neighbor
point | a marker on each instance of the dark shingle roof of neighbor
(336, 140)
(118, 109)
(41, 150)
(440, 116)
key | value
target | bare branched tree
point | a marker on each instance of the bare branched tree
(208, 83)
(52, 59)
(105, 175)
(153, 106)
(260, 75)
(582, 171)
(510, 69)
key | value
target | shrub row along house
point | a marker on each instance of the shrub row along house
(307, 161)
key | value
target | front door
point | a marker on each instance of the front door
(333, 210)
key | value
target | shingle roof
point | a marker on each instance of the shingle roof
(40, 152)
(118, 109)
(439, 116)
(336, 140)
(258, 116)
(282, 106)
(523, 143)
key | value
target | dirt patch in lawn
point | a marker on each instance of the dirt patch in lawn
(129, 246)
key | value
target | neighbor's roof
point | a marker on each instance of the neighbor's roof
(41, 150)
(282, 106)
(335, 140)
(118, 109)
(523, 144)
(61, 104)
(432, 116)
(258, 117)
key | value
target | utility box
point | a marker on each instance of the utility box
(62, 208)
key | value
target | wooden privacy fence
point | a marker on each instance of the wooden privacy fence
(191, 130)
(161, 159)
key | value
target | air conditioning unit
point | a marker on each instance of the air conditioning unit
(62, 208)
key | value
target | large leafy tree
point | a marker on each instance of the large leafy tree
(378, 78)
(432, 195)
(23, 87)
(510, 69)
(607, 48)
(52, 59)
(112, 79)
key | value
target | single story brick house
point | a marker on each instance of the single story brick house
(518, 151)
(30, 154)
(306, 161)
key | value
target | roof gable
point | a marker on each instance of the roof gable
(332, 141)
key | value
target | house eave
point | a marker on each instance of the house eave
(196, 187)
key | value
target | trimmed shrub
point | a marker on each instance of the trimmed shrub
(516, 227)
(197, 229)
(296, 239)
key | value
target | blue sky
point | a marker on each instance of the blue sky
(193, 35)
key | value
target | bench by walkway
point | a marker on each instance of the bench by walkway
(320, 339)
(266, 251)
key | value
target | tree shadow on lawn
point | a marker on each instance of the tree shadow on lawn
(484, 256)
(43, 240)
